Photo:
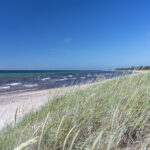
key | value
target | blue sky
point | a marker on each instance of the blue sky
(74, 34)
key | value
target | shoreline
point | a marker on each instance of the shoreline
(53, 81)
(22, 102)
(26, 101)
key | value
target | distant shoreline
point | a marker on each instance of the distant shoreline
(135, 68)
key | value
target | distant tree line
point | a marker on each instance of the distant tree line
(135, 68)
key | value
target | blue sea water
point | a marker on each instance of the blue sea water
(43, 79)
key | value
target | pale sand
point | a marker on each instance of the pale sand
(24, 102)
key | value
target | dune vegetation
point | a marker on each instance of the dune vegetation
(112, 115)
(135, 68)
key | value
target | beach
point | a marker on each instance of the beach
(102, 99)
(23, 91)
(16, 104)
(20, 103)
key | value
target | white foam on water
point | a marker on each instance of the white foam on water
(70, 76)
(83, 77)
(44, 79)
(4, 87)
(14, 84)
(62, 79)
(89, 75)
(30, 85)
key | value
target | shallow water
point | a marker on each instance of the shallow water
(33, 80)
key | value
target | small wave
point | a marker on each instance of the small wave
(14, 84)
(30, 85)
(44, 79)
(83, 77)
(4, 87)
(70, 76)
(89, 75)
(62, 79)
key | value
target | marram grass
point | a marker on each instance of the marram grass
(114, 115)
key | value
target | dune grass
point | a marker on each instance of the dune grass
(113, 115)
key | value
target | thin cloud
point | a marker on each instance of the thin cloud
(67, 40)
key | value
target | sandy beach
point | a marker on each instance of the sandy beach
(24, 102)
(20, 102)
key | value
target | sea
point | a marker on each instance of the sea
(25, 80)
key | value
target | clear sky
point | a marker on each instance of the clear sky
(74, 34)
